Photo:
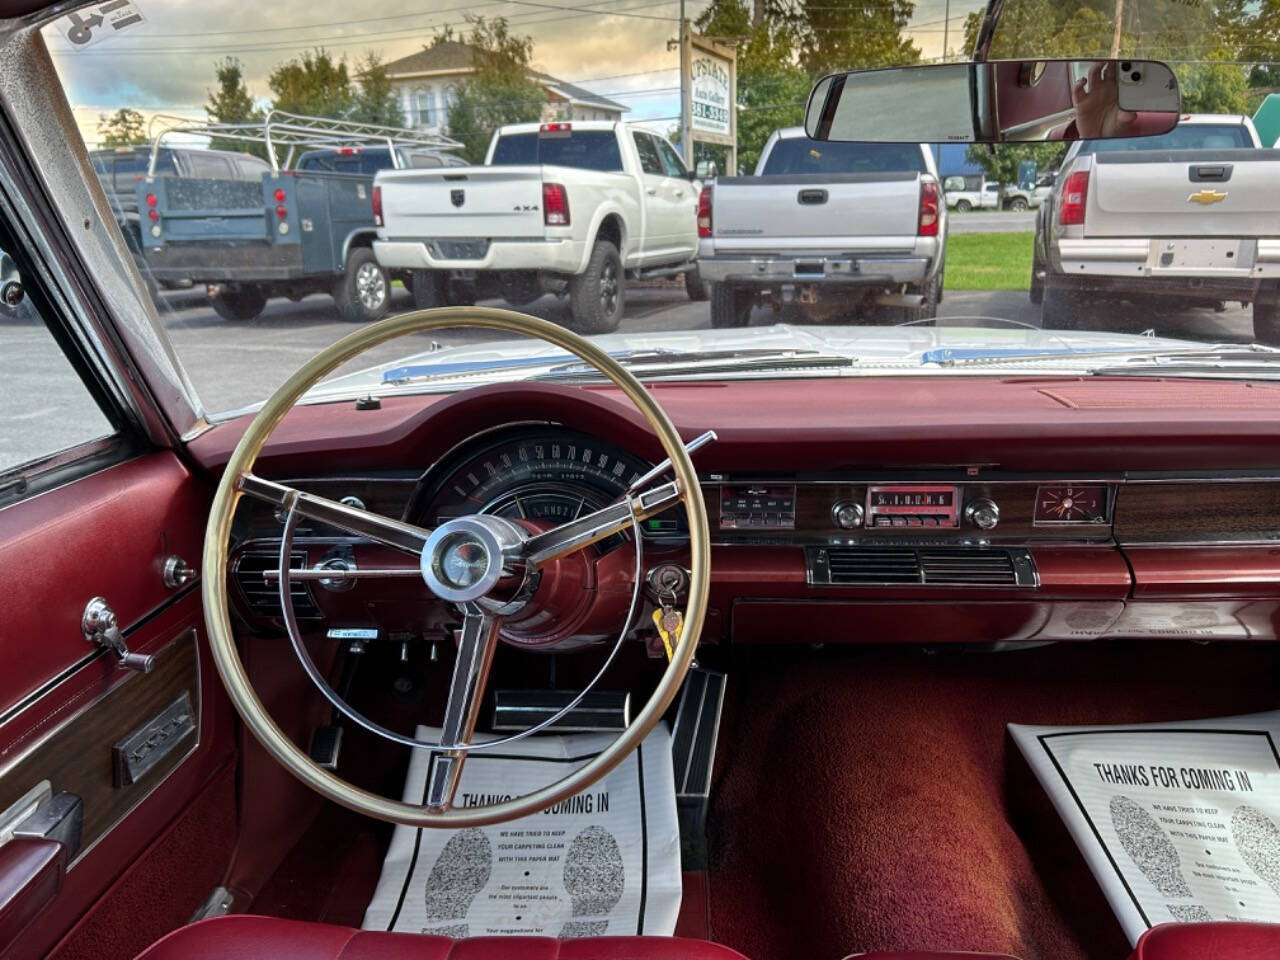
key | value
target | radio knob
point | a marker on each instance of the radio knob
(847, 516)
(983, 513)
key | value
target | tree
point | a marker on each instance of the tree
(124, 128)
(314, 85)
(501, 90)
(376, 100)
(231, 102)
(855, 35)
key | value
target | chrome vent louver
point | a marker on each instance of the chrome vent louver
(924, 566)
(263, 598)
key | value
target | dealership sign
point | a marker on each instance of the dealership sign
(710, 92)
(710, 86)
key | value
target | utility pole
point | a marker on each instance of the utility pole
(1115, 36)
(946, 26)
(686, 127)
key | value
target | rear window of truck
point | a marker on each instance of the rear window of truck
(799, 155)
(584, 149)
(1199, 136)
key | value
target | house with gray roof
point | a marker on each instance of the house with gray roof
(426, 82)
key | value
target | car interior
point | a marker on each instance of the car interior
(829, 597)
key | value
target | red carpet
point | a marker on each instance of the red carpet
(869, 799)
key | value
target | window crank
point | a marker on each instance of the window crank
(100, 628)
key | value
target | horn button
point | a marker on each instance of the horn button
(464, 559)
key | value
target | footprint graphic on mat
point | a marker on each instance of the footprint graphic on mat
(459, 873)
(1148, 846)
(1258, 840)
(594, 879)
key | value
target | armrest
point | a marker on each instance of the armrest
(31, 873)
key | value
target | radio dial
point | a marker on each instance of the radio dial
(983, 514)
(847, 516)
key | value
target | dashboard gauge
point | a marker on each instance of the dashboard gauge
(1071, 504)
(549, 476)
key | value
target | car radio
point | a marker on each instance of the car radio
(757, 506)
(913, 505)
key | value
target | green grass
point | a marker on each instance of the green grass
(989, 261)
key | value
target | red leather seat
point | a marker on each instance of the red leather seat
(243, 937)
(929, 955)
(1236, 940)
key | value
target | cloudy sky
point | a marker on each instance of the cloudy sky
(166, 64)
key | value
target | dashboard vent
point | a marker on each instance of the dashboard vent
(262, 598)
(881, 565)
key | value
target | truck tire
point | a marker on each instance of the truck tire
(1266, 318)
(729, 307)
(363, 293)
(1060, 309)
(963, 206)
(928, 310)
(598, 295)
(1018, 204)
(695, 286)
(430, 289)
(243, 304)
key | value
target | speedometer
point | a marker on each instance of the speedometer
(549, 476)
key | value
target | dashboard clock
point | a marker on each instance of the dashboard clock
(1071, 504)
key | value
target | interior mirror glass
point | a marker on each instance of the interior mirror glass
(999, 101)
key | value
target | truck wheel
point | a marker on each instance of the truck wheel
(363, 293)
(430, 289)
(928, 310)
(964, 206)
(243, 304)
(1018, 204)
(1060, 309)
(598, 295)
(1266, 318)
(1035, 292)
(695, 286)
(729, 307)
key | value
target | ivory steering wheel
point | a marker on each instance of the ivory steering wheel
(481, 563)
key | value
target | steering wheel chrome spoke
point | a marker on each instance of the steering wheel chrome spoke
(567, 538)
(477, 641)
(392, 533)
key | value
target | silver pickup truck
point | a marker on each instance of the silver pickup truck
(828, 229)
(1193, 214)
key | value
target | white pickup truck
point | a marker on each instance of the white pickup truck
(1192, 215)
(828, 229)
(557, 207)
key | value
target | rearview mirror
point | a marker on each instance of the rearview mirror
(999, 101)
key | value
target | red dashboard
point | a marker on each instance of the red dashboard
(917, 510)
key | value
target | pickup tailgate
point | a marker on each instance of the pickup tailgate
(462, 202)
(820, 212)
(1184, 193)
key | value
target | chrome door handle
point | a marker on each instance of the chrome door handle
(679, 194)
(652, 191)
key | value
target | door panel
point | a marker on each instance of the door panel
(65, 706)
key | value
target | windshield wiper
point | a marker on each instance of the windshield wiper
(673, 363)
(1133, 359)
(1221, 360)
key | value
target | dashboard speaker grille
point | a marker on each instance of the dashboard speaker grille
(262, 598)
(977, 567)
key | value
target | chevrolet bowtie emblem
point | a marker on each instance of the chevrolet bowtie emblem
(1206, 197)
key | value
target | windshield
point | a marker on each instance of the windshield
(649, 184)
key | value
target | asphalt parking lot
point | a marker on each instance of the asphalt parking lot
(231, 364)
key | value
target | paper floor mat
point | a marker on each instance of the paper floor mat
(1179, 822)
(603, 863)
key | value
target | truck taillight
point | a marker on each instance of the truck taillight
(928, 224)
(151, 200)
(1075, 196)
(704, 212)
(377, 207)
(555, 205)
(279, 195)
